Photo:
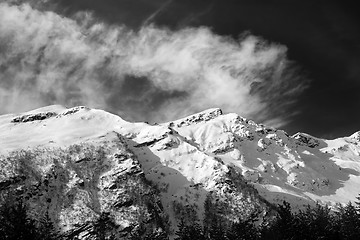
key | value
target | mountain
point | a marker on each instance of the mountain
(78, 163)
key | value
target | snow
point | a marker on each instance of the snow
(199, 149)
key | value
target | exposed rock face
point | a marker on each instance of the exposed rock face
(76, 184)
(356, 136)
(34, 117)
(306, 140)
(78, 163)
(196, 118)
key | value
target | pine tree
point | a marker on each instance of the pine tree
(155, 236)
(317, 223)
(14, 221)
(286, 221)
(357, 204)
(209, 214)
(349, 222)
(103, 227)
(217, 229)
(243, 230)
(215, 225)
(46, 228)
(322, 222)
(189, 232)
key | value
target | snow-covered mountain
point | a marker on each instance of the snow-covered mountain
(77, 163)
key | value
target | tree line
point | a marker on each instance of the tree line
(311, 223)
(16, 223)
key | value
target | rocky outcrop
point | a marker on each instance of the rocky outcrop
(356, 136)
(34, 117)
(306, 140)
(76, 184)
(74, 110)
(196, 118)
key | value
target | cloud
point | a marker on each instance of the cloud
(153, 74)
(157, 12)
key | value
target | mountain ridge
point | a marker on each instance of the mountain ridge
(224, 157)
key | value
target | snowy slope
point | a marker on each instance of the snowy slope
(208, 152)
(296, 168)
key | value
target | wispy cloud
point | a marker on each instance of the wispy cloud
(157, 12)
(46, 58)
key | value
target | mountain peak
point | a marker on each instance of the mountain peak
(356, 136)
(47, 112)
(50, 108)
(203, 116)
(306, 139)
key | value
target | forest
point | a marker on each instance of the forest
(311, 223)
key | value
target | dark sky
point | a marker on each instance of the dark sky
(322, 37)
